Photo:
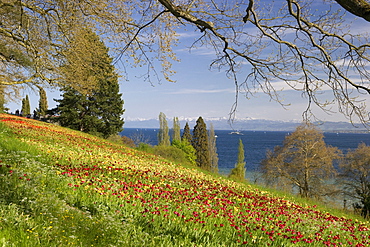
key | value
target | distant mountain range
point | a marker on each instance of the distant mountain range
(248, 124)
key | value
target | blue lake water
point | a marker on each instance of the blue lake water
(256, 143)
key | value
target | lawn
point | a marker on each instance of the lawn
(61, 187)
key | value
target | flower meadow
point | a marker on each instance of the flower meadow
(65, 188)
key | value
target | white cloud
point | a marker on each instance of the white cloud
(202, 91)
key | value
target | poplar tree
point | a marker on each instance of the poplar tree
(212, 149)
(200, 144)
(163, 135)
(186, 135)
(238, 173)
(26, 108)
(2, 98)
(176, 136)
(43, 103)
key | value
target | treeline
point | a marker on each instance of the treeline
(197, 147)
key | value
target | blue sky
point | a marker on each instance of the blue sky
(197, 92)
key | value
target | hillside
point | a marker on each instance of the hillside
(65, 188)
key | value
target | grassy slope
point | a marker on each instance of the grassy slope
(64, 188)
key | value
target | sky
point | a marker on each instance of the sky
(198, 91)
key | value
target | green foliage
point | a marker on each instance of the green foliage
(43, 103)
(26, 108)
(145, 147)
(176, 136)
(213, 156)
(171, 153)
(188, 149)
(100, 111)
(186, 135)
(2, 98)
(163, 135)
(200, 144)
(238, 173)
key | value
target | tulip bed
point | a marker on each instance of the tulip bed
(64, 187)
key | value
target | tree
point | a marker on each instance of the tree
(200, 144)
(354, 176)
(176, 135)
(98, 112)
(43, 103)
(212, 148)
(310, 50)
(188, 150)
(186, 135)
(304, 161)
(163, 136)
(2, 98)
(26, 108)
(238, 173)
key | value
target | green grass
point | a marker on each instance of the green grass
(65, 188)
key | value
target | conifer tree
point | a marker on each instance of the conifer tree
(176, 130)
(238, 173)
(43, 102)
(99, 111)
(163, 135)
(2, 98)
(200, 144)
(187, 135)
(26, 108)
(212, 149)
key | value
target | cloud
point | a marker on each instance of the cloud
(202, 91)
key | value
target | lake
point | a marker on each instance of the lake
(256, 143)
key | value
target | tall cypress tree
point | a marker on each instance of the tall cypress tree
(2, 98)
(43, 103)
(176, 136)
(186, 135)
(212, 149)
(200, 144)
(26, 108)
(99, 111)
(238, 172)
(163, 135)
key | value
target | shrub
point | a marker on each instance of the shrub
(188, 150)
(145, 147)
(171, 153)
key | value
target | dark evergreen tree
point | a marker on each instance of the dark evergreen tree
(99, 111)
(43, 103)
(187, 135)
(26, 108)
(77, 112)
(2, 98)
(200, 144)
